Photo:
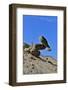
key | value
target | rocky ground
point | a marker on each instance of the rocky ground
(38, 65)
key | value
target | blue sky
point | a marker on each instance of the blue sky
(36, 26)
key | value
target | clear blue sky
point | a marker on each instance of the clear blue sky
(36, 26)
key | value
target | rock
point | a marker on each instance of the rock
(38, 65)
(33, 63)
(35, 53)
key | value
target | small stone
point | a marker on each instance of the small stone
(32, 67)
(32, 64)
(33, 58)
(46, 58)
(27, 66)
(30, 71)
